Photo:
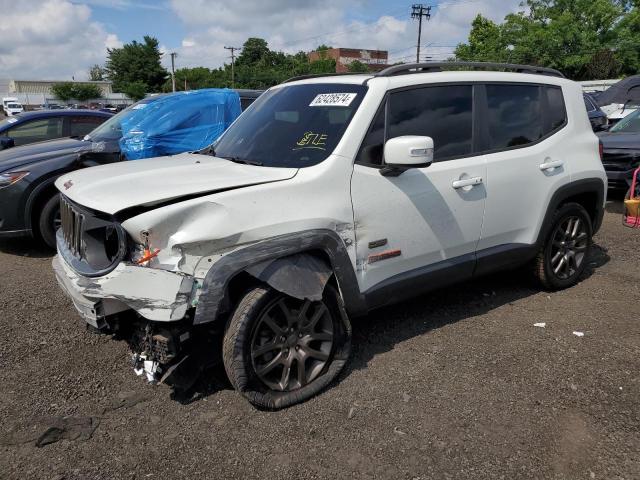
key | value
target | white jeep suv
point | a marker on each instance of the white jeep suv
(329, 197)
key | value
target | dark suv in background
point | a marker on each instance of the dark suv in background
(29, 204)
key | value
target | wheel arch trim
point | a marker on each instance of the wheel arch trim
(561, 195)
(271, 256)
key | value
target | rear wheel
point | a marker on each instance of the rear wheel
(279, 351)
(49, 221)
(564, 255)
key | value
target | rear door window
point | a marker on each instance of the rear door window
(80, 126)
(514, 115)
(520, 115)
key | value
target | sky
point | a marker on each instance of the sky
(61, 39)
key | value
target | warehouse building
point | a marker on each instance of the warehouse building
(36, 93)
(44, 86)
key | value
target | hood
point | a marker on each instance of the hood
(36, 152)
(116, 187)
(620, 141)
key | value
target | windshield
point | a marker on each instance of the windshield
(14, 105)
(629, 124)
(294, 126)
(112, 128)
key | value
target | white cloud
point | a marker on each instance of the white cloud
(292, 25)
(58, 39)
(50, 39)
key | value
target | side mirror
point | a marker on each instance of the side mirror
(406, 152)
(6, 142)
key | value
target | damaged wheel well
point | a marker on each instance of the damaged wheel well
(301, 275)
(299, 265)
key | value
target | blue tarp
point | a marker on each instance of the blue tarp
(178, 122)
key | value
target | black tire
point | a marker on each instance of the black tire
(567, 247)
(48, 221)
(247, 335)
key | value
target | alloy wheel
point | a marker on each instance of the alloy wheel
(570, 242)
(292, 343)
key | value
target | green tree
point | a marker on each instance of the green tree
(96, 73)
(86, 91)
(134, 64)
(582, 38)
(135, 90)
(256, 67)
(358, 67)
(64, 91)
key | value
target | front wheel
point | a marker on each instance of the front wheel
(279, 351)
(565, 252)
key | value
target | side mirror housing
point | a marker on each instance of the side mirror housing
(6, 142)
(406, 152)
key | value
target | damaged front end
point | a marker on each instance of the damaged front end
(115, 291)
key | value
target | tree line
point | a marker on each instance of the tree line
(585, 39)
(136, 69)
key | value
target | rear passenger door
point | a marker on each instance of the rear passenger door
(421, 222)
(79, 126)
(525, 149)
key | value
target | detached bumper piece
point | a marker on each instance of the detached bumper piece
(154, 294)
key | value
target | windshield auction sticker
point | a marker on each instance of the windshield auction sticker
(333, 100)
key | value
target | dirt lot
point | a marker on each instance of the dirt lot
(457, 384)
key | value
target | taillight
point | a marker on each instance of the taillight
(601, 150)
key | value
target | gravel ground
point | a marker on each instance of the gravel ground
(457, 384)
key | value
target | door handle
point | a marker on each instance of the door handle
(467, 182)
(549, 166)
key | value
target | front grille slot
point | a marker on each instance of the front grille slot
(72, 227)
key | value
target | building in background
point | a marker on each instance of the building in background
(44, 86)
(34, 93)
(376, 59)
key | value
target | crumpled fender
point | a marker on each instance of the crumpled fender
(277, 261)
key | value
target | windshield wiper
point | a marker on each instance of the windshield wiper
(243, 161)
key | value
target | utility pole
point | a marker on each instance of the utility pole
(418, 11)
(233, 64)
(173, 70)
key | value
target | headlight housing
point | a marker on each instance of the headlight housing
(9, 178)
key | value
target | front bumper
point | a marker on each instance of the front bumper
(156, 295)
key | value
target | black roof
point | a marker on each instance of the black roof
(61, 112)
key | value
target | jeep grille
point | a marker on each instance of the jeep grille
(72, 227)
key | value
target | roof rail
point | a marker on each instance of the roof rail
(408, 68)
(318, 75)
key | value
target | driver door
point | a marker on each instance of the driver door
(421, 228)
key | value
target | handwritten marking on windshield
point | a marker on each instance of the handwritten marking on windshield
(317, 141)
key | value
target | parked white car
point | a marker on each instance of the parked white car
(11, 106)
(329, 197)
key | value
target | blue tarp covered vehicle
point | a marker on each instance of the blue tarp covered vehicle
(178, 122)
